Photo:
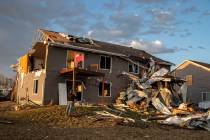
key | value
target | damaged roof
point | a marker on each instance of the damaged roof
(130, 52)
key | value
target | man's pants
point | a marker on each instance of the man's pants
(69, 108)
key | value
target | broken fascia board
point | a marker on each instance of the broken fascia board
(156, 79)
(137, 80)
(161, 72)
(165, 63)
(131, 61)
(133, 77)
(84, 49)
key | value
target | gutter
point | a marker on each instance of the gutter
(84, 49)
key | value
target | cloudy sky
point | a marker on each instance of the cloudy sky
(173, 30)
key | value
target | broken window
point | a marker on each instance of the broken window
(133, 68)
(107, 89)
(36, 58)
(188, 79)
(130, 67)
(36, 86)
(105, 62)
(205, 96)
(75, 59)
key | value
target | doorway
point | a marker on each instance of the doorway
(78, 89)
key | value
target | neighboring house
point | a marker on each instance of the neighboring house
(60, 63)
(5, 87)
(197, 76)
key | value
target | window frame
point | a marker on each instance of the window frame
(35, 86)
(206, 92)
(105, 62)
(79, 52)
(133, 68)
(110, 85)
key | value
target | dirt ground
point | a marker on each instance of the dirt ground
(50, 122)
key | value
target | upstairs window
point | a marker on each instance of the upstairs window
(133, 68)
(36, 86)
(107, 89)
(105, 62)
(75, 59)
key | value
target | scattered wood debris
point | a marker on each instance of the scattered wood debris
(156, 90)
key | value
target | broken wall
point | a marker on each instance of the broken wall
(26, 87)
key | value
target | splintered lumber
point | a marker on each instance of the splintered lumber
(5, 122)
(108, 114)
(160, 106)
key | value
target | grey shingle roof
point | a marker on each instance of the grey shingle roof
(104, 46)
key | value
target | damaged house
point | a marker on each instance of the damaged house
(58, 64)
(197, 76)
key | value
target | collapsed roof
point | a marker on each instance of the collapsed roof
(60, 39)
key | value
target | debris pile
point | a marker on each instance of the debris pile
(158, 90)
(164, 94)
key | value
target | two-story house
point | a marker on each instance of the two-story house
(58, 64)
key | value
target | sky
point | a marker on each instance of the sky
(174, 30)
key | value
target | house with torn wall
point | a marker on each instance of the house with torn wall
(58, 64)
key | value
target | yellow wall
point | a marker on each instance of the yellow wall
(23, 64)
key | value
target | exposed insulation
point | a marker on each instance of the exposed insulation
(23, 64)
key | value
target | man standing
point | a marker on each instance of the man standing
(70, 103)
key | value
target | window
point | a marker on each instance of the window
(188, 79)
(107, 89)
(205, 96)
(35, 86)
(105, 62)
(75, 59)
(133, 68)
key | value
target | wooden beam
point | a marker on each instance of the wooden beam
(73, 86)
